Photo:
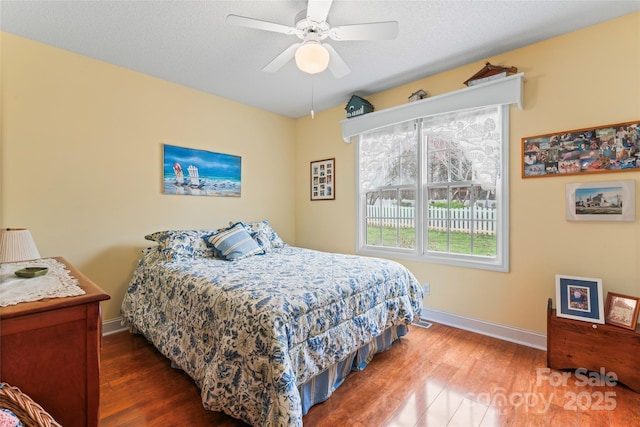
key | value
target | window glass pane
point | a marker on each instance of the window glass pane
(437, 240)
(389, 208)
(391, 218)
(460, 243)
(388, 157)
(406, 218)
(374, 235)
(463, 157)
(473, 140)
(484, 243)
(461, 168)
(373, 219)
(438, 166)
(464, 218)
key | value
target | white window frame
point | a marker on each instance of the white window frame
(502, 92)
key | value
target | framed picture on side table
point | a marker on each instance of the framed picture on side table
(579, 298)
(622, 310)
(323, 179)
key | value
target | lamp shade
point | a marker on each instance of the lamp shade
(16, 244)
(312, 57)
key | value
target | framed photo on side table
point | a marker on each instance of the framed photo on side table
(323, 179)
(622, 310)
(579, 298)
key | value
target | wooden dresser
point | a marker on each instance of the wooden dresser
(573, 344)
(50, 349)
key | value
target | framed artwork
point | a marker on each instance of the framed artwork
(601, 201)
(622, 310)
(610, 148)
(579, 298)
(323, 179)
(187, 171)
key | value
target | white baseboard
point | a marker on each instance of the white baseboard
(495, 330)
(112, 326)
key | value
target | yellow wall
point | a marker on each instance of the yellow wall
(586, 78)
(81, 168)
(82, 159)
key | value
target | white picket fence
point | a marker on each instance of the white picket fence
(392, 216)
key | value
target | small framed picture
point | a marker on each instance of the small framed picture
(601, 201)
(622, 310)
(579, 298)
(323, 179)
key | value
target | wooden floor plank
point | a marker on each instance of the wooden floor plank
(437, 376)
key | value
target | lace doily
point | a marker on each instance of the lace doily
(57, 283)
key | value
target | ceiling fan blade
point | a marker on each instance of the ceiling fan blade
(337, 66)
(279, 61)
(387, 30)
(258, 24)
(317, 10)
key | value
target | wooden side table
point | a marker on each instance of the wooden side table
(573, 344)
(50, 349)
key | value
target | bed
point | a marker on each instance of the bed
(265, 329)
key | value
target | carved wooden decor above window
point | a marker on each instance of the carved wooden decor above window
(490, 72)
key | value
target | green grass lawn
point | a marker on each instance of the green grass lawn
(459, 243)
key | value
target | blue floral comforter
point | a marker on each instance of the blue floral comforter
(250, 331)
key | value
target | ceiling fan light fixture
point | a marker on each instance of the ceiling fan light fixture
(312, 57)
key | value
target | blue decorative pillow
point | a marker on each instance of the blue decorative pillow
(264, 229)
(176, 245)
(234, 243)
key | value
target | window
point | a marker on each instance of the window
(435, 189)
(433, 177)
(388, 182)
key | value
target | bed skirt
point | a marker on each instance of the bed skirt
(320, 388)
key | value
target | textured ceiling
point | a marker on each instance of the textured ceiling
(189, 43)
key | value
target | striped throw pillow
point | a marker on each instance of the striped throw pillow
(234, 243)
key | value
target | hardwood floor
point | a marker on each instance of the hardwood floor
(439, 376)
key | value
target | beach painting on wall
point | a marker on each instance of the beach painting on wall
(188, 171)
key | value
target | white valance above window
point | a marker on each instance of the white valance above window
(503, 91)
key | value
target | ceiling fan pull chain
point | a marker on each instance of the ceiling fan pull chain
(312, 112)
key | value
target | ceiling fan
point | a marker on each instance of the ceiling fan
(311, 27)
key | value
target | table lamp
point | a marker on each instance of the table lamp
(16, 244)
